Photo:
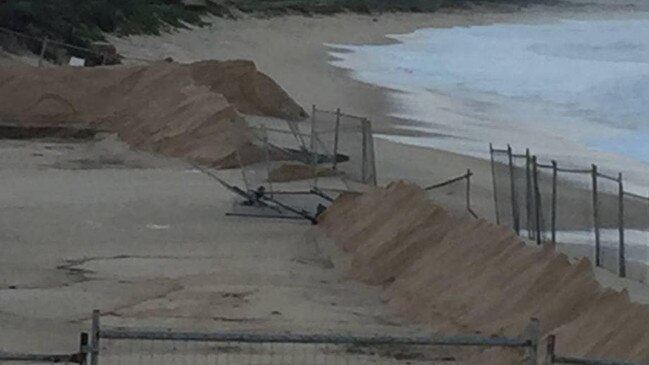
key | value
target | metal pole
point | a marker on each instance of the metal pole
(42, 54)
(529, 197)
(532, 335)
(622, 249)
(364, 146)
(537, 200)
(336, 136)
(493, 182)
(314, 153)
(94, 338)
(468, 190)
(267, 153)
(550, 350)
(596, 216)
(83, 348)
(512, 183)
(554, 201)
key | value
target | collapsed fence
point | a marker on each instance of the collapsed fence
(588, 212)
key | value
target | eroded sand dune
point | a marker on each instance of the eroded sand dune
(189, 111)
(465, 276)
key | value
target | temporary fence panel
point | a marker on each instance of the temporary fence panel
(636, 236)
(133, 346)
(575, 212)
(551, 357)
(254, 159)
(608, 224)
(545, 201)
(342, 145)
(80, 357)
(502, 187)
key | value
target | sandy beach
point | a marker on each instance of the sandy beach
(294, 51)
(145, 238)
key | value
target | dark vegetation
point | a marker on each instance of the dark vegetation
(80, 22)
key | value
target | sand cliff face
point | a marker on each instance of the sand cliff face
(464, 276)
(189, 111)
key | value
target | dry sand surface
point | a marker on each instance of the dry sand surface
(465, 275)
(93, 224)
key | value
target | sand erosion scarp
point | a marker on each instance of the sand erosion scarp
(462, 275)
(189, 111)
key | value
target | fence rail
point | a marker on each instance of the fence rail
(464, 178)
(79, 357)
(528, 341)
(550, 203)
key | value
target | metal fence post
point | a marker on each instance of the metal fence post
(364, 166)
(537, 200)
(550, 350)
(622, 249)
(532, 335)
(493, 182)
(264, 136)
(528, 193)
(43, 50)
(596, 216)
(468, 190)
(554, 201)
(94, 338)
(336, 136)
(83, 348)
(512, 183)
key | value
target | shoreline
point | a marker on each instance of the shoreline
(295, 52)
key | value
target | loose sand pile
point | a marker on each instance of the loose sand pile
(464, 276)
(189, 111)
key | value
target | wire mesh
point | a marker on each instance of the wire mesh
(502, 188)
(636, 236)
(608, 217)
(254, 160)
(574, 213)
(544, 202)
(343, 144)
(159, 352)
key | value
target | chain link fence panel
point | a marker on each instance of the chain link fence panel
(502, 187)
(636, 236)
(343, 145)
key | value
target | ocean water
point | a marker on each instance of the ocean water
(574, 91)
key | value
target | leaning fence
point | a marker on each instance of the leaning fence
(343, 145)
(588, 212)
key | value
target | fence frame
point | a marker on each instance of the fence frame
(80, 357)
(553, 358)
(529, 340)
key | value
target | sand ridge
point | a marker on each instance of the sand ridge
(463, 275)
(189, 111)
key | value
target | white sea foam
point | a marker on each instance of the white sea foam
(575, 91)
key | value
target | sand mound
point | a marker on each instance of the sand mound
(186, 111)
(464, 276)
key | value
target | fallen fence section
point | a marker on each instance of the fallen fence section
(123, 345)
(446, 192)
(553, 358)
